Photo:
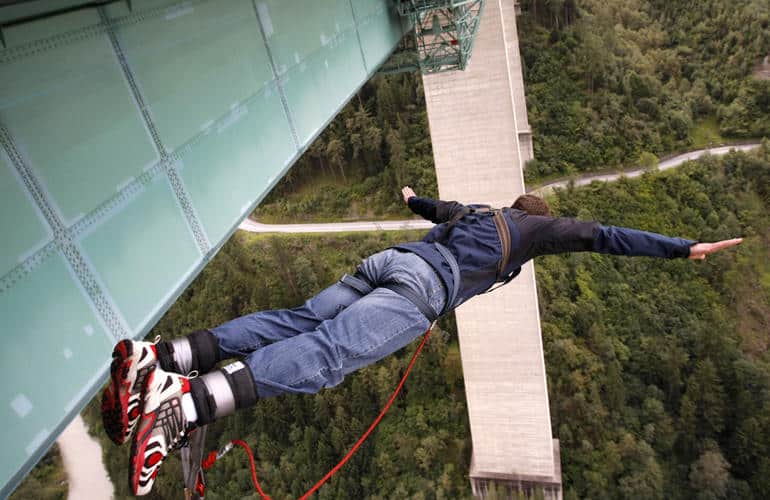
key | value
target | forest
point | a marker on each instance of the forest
(657, 369)
(355, 169)
(608, 84)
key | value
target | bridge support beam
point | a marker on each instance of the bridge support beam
(481, 140)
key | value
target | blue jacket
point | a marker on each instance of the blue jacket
(475, 244)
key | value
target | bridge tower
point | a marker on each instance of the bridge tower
(481, 140)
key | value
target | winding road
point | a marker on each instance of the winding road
(258, 227)
(667, 164)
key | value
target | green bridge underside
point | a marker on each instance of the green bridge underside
(134, 139)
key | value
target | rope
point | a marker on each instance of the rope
(254, 479)
(374, 424)
(213, 456)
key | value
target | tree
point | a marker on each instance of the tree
(648, 161)
(397, 151)
(709, 474)
(307, 280)
(703, 404)
(335, 152)
(642, 477)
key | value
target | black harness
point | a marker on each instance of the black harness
(498, 215)
(360, 284)
(363, 286)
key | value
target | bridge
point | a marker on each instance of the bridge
(136, 135)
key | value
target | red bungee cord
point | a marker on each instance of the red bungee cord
(213, 456)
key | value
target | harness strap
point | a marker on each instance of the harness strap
(507, 280)
(357, 283)
(505, 245)
(502, 233)
(425, 308)
(360, 284)
(451, 294)
(505, 242)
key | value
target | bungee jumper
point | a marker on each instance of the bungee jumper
(393, 297)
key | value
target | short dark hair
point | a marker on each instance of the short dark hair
(532, 204)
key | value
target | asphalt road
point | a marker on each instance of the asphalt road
(669, 163)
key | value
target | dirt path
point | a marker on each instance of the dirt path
(82, 457)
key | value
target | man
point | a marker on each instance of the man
(392, 299)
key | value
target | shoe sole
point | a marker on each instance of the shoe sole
(121, 411)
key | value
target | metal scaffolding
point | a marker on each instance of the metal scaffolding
(442, 37)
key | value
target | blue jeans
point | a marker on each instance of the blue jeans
(305, 349)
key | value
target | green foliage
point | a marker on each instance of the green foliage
(709, 475)
(355, 169)
(658, 370)
(706, 133)
(47, 481)
(607, 81)
(749, 114)
(648, 161)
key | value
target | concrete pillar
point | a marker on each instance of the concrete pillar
(481, 140)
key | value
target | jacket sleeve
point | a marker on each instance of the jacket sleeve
(547, 235)
(551, 235)
(625, 241)
(436, 211)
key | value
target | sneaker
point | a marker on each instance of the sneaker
(162, 429)
(132, 362)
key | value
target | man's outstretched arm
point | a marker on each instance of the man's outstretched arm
(436, 211)
(551, 235)
(625, 241)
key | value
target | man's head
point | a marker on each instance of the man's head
(533, 205)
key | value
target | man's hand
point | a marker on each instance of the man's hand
(407, 193)
(700, 250)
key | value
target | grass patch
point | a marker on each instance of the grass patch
(47, 481)
(329, 200)
(706, 133)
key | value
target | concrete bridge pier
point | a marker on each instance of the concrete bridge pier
(481, 140)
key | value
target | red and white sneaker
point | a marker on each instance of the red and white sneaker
(132, 362)
(162, 428)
